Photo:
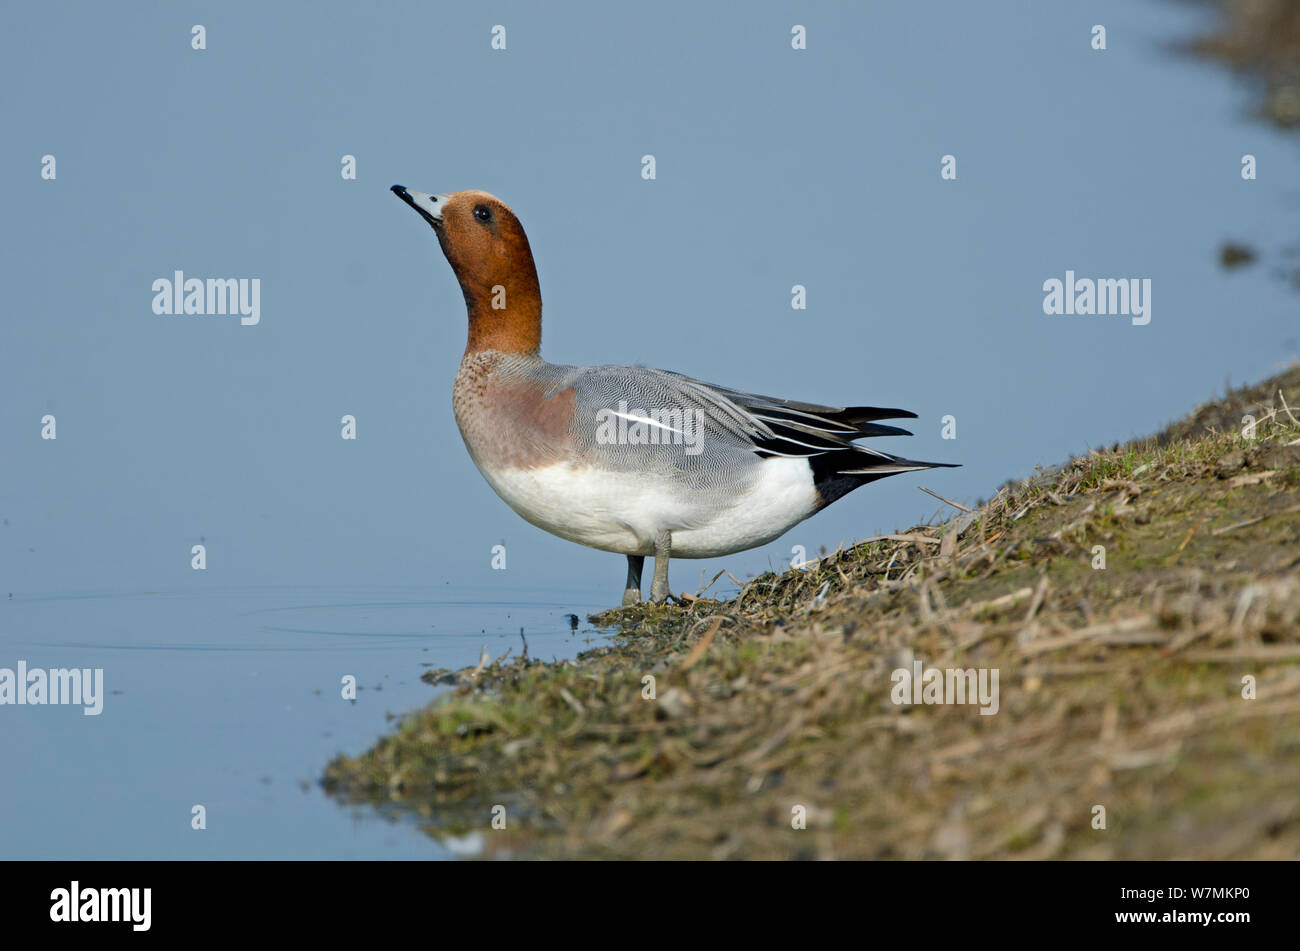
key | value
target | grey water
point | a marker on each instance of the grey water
(382, 556)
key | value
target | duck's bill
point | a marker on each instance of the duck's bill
(429, 206)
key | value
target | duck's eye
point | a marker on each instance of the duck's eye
(482, 213)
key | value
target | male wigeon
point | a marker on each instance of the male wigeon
(629, 459)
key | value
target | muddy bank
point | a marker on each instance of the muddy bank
(1119, 688)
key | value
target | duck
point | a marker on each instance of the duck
(630, 460)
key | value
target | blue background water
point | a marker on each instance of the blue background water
(372, 557)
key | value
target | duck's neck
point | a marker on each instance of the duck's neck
(504, 304)
(513, 324)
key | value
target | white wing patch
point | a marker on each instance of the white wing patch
(633, 418)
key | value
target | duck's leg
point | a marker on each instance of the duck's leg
(632, 594)
(659, 591)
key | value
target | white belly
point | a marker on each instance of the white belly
(625, 511)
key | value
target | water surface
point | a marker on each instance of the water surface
(231, 698)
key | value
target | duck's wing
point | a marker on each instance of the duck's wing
(736, 420)
(780, 427)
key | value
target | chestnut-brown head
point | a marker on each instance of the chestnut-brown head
(488, 250)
